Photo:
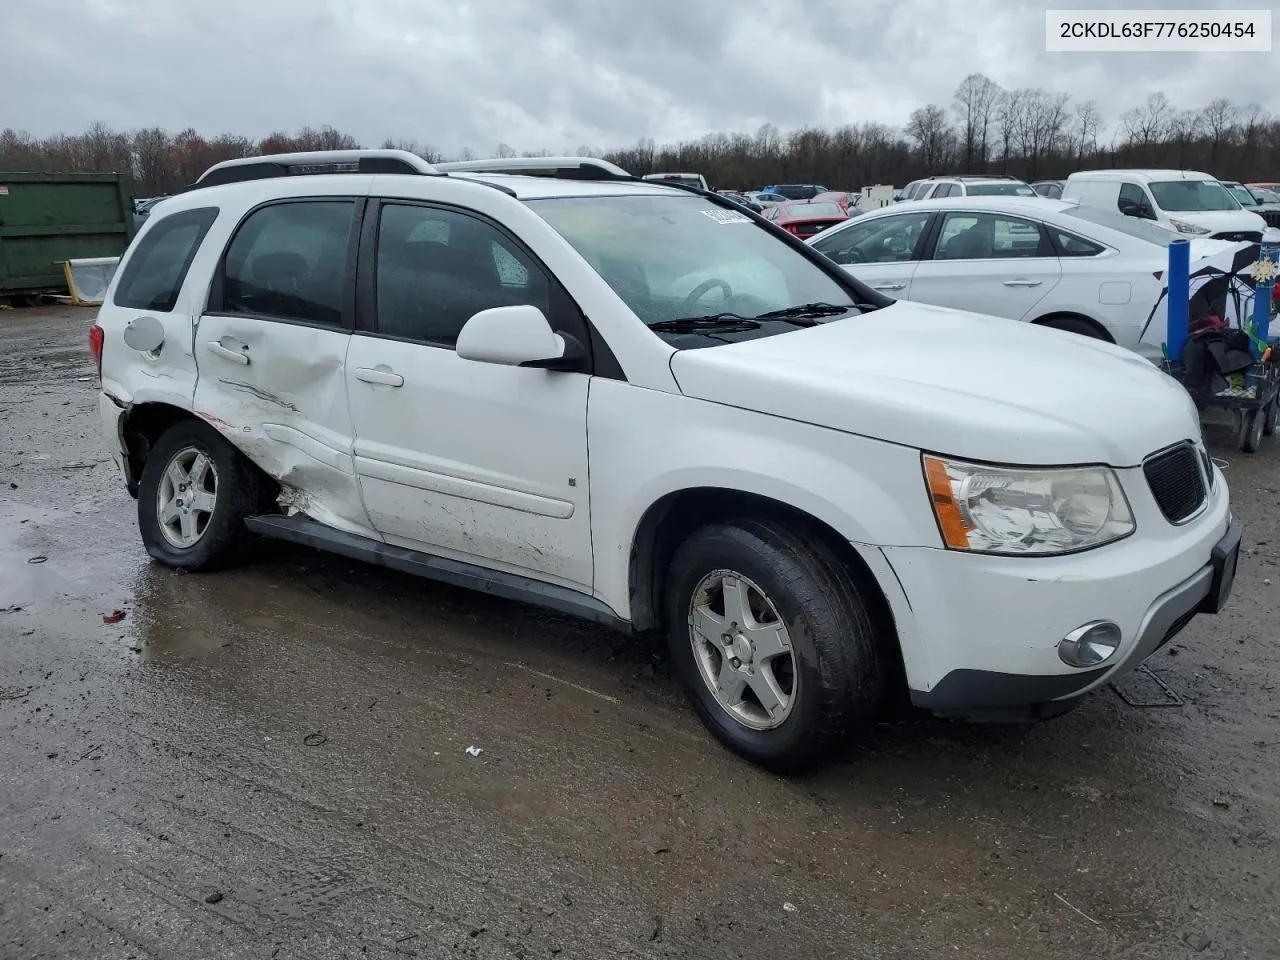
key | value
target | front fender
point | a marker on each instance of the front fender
(645, 444)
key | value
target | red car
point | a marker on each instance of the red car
(838, 197)
(804, 218)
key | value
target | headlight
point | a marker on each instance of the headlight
(1183, 227)
(1026, 512)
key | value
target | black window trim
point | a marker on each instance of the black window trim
(1046, 239)
(1052, 228)
(167, 222)
(215, 305)
(600, 360)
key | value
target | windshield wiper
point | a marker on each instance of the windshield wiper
(807, 310)
(724, 322)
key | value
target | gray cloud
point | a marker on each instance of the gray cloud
(557, 73)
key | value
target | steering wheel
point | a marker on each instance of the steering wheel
(701, 290)
(854, 255)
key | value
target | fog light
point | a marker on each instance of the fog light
(1089, 645)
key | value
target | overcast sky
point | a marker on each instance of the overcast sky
(556, 74)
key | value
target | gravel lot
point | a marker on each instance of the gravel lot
(270, 762)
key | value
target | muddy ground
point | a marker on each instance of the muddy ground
(270, 762)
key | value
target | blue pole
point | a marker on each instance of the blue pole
(1179, 300)
(1262, 296)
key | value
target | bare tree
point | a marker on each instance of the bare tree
(1145, 126)
(504, 152)
(975, 104)
(1086, 131)
(1009, 111)
(1219, 119)
(929, 128)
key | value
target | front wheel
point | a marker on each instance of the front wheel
(773, 642)
(195, 492)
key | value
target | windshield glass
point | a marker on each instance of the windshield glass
(669, 258)
(1242, 194)
(1113, 219)
(1192, 196)
(813, 210)
(1001, 190)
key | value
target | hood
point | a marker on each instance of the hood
(954, 383)
(1219, 221)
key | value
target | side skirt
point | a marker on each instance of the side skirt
(509, 586)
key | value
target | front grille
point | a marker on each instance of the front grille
(1272, 217)
(1240, 236)
(1176, 481)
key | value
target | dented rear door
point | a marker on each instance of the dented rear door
(272, 347)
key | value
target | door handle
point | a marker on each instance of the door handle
(889, 286)
(385, 377)
(1022, 283)
(235, 356)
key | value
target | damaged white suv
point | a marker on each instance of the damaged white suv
(639, 403)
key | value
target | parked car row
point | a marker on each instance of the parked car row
(1054, 263)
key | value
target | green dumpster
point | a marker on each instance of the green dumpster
(49, 218)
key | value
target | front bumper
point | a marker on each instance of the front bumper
(991, 693)
(980, 634)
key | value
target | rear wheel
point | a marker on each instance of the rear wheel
(195, 492)
(773, 642)
(1252, 426)
(1073, 325)
(1269, 419)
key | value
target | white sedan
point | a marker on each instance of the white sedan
(1052, 262)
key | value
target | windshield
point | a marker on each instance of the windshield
(1192, 196)
(670, 258)
(1242, 194)
(812, 210)
(1001, 190)
(1114, 220)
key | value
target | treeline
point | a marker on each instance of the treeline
(1031, 133)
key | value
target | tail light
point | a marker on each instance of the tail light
(97, 337)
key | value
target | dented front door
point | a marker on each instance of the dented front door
(271, 352)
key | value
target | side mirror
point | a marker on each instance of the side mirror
(518, 336)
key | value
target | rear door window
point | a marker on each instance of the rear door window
(288, 261)
(156, 271)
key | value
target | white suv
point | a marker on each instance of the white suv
(643, 404)
(978, 185)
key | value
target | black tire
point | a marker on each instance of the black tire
(840, 677)
(1252, 427)
(1073, 325)
(1269, 420)
(225, 540)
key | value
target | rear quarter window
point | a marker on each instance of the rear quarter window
(156, 270)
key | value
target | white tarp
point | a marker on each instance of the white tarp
(88, 279)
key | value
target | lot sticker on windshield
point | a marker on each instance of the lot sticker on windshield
(726, 216)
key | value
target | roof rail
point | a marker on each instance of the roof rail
(972, 176)
(562, 168)
(313, 162)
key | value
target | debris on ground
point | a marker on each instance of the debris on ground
(1198, 942)
(315, 739)
(214, 897)
(474, 751)
(40, 559)
(789, 907)
(115, 616)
